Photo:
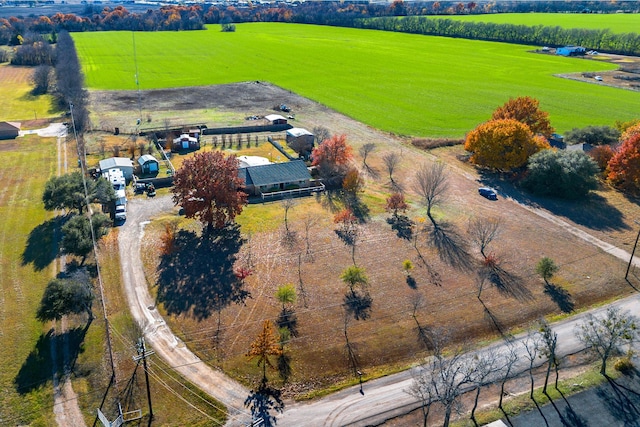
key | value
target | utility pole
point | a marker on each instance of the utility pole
(143, 354)
(632, 254)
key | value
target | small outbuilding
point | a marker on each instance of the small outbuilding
(276, 119)
(185, 142)
(571, 51)
(301, 141)
(123, 163)
(583, 146)
(9, 130)
(148, 164)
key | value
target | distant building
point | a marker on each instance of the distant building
(571, 51)
(276, 119)
(301, 141)
(9, 130)
(123, 163)
(583, 146)
(185, 142)
(148, 164)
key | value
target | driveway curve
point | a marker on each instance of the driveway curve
(143, 309)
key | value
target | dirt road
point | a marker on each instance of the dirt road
(156, 331)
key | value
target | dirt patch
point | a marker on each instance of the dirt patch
(8, 145)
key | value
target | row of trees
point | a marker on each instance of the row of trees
(443, 379)
(602, 40)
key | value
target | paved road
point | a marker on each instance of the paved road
(156, 331)
(382, 399)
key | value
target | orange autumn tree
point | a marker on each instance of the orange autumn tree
(265, 345)
(624, 166)
(525, 110)
(332, 158)
(504, 144)
(395, 203)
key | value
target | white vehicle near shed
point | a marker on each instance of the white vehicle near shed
(121, 213)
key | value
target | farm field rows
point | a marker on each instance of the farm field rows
(617, 23)
(401, 83)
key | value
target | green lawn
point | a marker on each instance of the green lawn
(25, 267)
(402, 83)
(18, 104)
(616, 22)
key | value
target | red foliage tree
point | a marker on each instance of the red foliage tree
(208, 189)
(333, 151)
(525, 110)
(602, 154)
(395, 203)
(332, 158)
(624, 166)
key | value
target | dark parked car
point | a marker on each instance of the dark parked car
(488, 192)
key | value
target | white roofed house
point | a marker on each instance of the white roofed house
(185, 142)
(124, 164)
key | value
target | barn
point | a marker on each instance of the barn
(301, 141)
(9, 130)
(123, 163)
(276, 119)
(185, 142)
(148, 164)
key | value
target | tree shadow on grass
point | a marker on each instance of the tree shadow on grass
(197, 277)
(39, 367)
(288, 319)
(402, 225)
(451, 246)
(358, 304)
(560, 296)
(507, 283)
(42, 248)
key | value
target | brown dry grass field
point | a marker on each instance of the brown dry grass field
(387, 340)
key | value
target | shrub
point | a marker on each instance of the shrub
(624, 365)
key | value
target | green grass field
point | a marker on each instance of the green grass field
(617, 23)
(25, 377)
(18, 103)
(401, 83)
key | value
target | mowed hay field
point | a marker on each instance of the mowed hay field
(616, 22)
(401, 83)
(18, 104)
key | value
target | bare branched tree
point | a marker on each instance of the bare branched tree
(431, 183)
(287, 204)
(482, 231)
(391, 161)
(443, 379)
(309, 220)
(321, 134)
(532, 345)
(603, 335)
(486, 366)
(510, 359)
(548, 346)
(365, 150)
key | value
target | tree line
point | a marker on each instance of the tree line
(348, 14)
(602, 40)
